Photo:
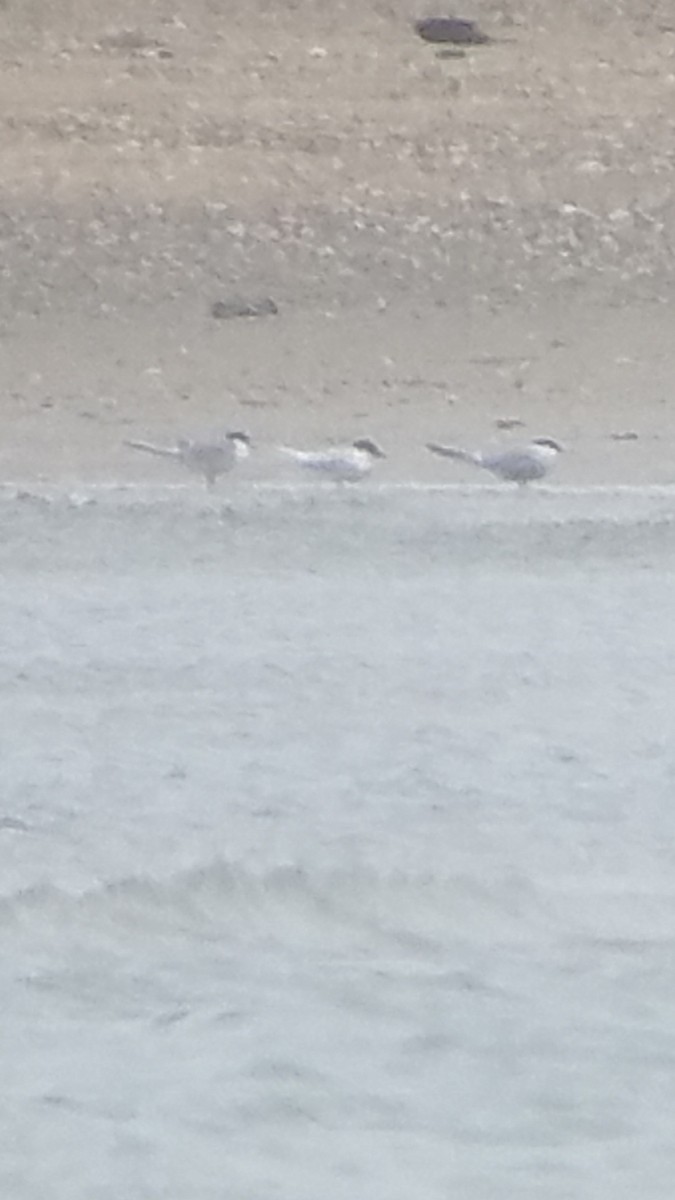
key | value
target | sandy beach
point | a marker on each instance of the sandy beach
(437, 245)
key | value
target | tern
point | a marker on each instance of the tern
(348, 464)
(207, 458)
(521, 465)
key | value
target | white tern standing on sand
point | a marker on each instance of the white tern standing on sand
(207, 458)
(520, 465)
(344, 465)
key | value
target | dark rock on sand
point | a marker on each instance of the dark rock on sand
(226, 310)
(457, 30)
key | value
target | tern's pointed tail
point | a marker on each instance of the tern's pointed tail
(162, 451)
(456, 453)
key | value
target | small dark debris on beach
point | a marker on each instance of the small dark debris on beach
(458, 30)
(509, 423)
(226, 310)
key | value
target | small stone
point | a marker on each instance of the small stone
(226, 310)
(457, 30)
(509, 423)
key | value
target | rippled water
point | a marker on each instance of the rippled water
(338, 848)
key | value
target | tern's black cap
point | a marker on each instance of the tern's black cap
(370, 447)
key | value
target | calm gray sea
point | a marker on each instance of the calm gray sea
(337, 845)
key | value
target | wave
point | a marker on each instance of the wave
(362, 912)
(223, 899)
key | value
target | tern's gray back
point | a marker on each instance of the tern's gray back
(209, 458)
(518, 466)
(336, 465)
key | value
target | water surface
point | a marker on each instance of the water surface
(337, 847)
